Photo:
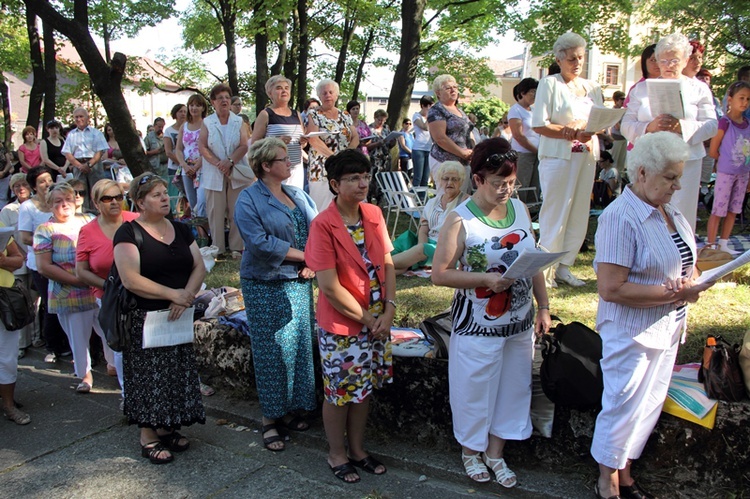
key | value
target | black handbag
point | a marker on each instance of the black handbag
(720, 370)
(118, 305)
(17, 309)
(570, 372)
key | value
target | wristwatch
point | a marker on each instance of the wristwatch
(392, 303)
(231, 161)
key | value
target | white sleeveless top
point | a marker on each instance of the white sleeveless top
(489, 247)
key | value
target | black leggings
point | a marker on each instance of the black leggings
(52, 331)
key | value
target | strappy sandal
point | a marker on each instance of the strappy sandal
(152, 450)
(18, 417)
(503, 475)
(172, 442)
(474, 467)
(267, 441)
(295, 424)
(635, 491)
(600, 496)
(369, 464)
(342, 470)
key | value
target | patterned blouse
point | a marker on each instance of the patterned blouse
(358, 236)
(338, 140)
(456, 128)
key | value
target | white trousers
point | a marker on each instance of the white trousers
(8, 355)
(636, 379)
(564, 216)
(686, 199)
(77, 327)
(490, 388)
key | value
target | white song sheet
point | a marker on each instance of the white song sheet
(531, 262)
(5, 234)
(729, 267)
(665, 97)
(602, 117)
(159, 331)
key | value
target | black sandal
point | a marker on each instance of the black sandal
(172, 442)
(295, 424)
(369, 464)
(342, 470)
(272, 439)
(152, 450)
(634, 491)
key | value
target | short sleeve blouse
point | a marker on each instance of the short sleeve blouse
(456, 128)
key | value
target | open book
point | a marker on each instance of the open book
(602, 117)
(665, 97)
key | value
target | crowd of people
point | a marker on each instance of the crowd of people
(289, 224)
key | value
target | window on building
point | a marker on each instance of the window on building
(612, 75)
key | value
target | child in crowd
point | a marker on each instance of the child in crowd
(731, 148)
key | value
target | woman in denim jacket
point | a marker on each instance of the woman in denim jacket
(274, 220)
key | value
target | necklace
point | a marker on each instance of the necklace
(348, 220)
(158, 232)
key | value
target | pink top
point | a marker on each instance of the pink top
(33, 158)
(97, 249)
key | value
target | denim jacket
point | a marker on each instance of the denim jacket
(267, 228)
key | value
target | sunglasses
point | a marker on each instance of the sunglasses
(497, 160)
(145, 179)
(109, 199)
(80, 193)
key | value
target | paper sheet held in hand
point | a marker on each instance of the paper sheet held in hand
(602, 117)
(530, 262)
(158, 331)
(665, 97)
(729, 267)
(5, 234)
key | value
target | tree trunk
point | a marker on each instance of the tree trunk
(347, 31)
(362, 62)
(5, 101)
(261, 69)
(36, 94)
(304, 47)
(106, 36)
(292, 58)
(50, 76)
(412, 12)
(281, 58)
(228, 27)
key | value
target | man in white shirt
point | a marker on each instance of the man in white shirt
(84, 147)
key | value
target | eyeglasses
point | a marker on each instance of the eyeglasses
(507, 186)
(80, 193)
(284, 159)
(669, 62)
(356, 179)
(450, 179)
(109, 199)
(497, 160)
(505, 122)
(145, 179)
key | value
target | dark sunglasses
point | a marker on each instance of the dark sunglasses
(497, 160)
(80, 193)
(109, 199)
(145, 179)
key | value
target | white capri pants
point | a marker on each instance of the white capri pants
(564, 216)
(686, 199)
(8, 355)
(636, 379)
(77, 327)
(490, 387)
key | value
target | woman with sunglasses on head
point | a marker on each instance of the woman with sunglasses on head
(67, 296)
(494, 323)
(350, 252)
(164, 270)
(95, 253)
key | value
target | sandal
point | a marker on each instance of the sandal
(206, 390)
(474, 467)
(295, 424)
(83, 387)
(18, 417)
(342, 470)
(503, 475)
(599, 496)
(172, 442)
(634, 491)
(152, 450)
(267, 441)
(369, 464)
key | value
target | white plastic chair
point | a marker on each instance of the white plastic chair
(399, 198)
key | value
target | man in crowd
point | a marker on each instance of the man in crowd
(155, 152)
(84, 148)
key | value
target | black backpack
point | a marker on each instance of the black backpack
(601, 194)
(570, 372)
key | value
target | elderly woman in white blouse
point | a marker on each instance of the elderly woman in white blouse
(567, 155)
(699, 124)
(645, 258)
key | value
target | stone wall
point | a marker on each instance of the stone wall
(696, 461)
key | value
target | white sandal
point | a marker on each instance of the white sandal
(503, 475)
(474, 467)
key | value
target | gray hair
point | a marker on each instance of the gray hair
(674, 42)
(263, 151)
(66, 189)
(437, 83)
(655, 152)
(325, 83)
(274, 80)
(447, 167)
(566, 42)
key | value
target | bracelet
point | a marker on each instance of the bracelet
(392, 303)
(542, 307)
(231, 161)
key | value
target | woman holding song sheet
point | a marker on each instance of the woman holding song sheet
(159, 262)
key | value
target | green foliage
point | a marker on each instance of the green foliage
(201, 29)
(488, 111)
(74, 89)
(186, 70)
(14, 41)
(472, 73)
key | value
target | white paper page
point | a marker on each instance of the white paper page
(729, 267)
(5, 234)
(318, 134)
(602, 117)
(531, 262)
(665, 97)
(158, 331)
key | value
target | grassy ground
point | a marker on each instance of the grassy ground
(722, 309)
